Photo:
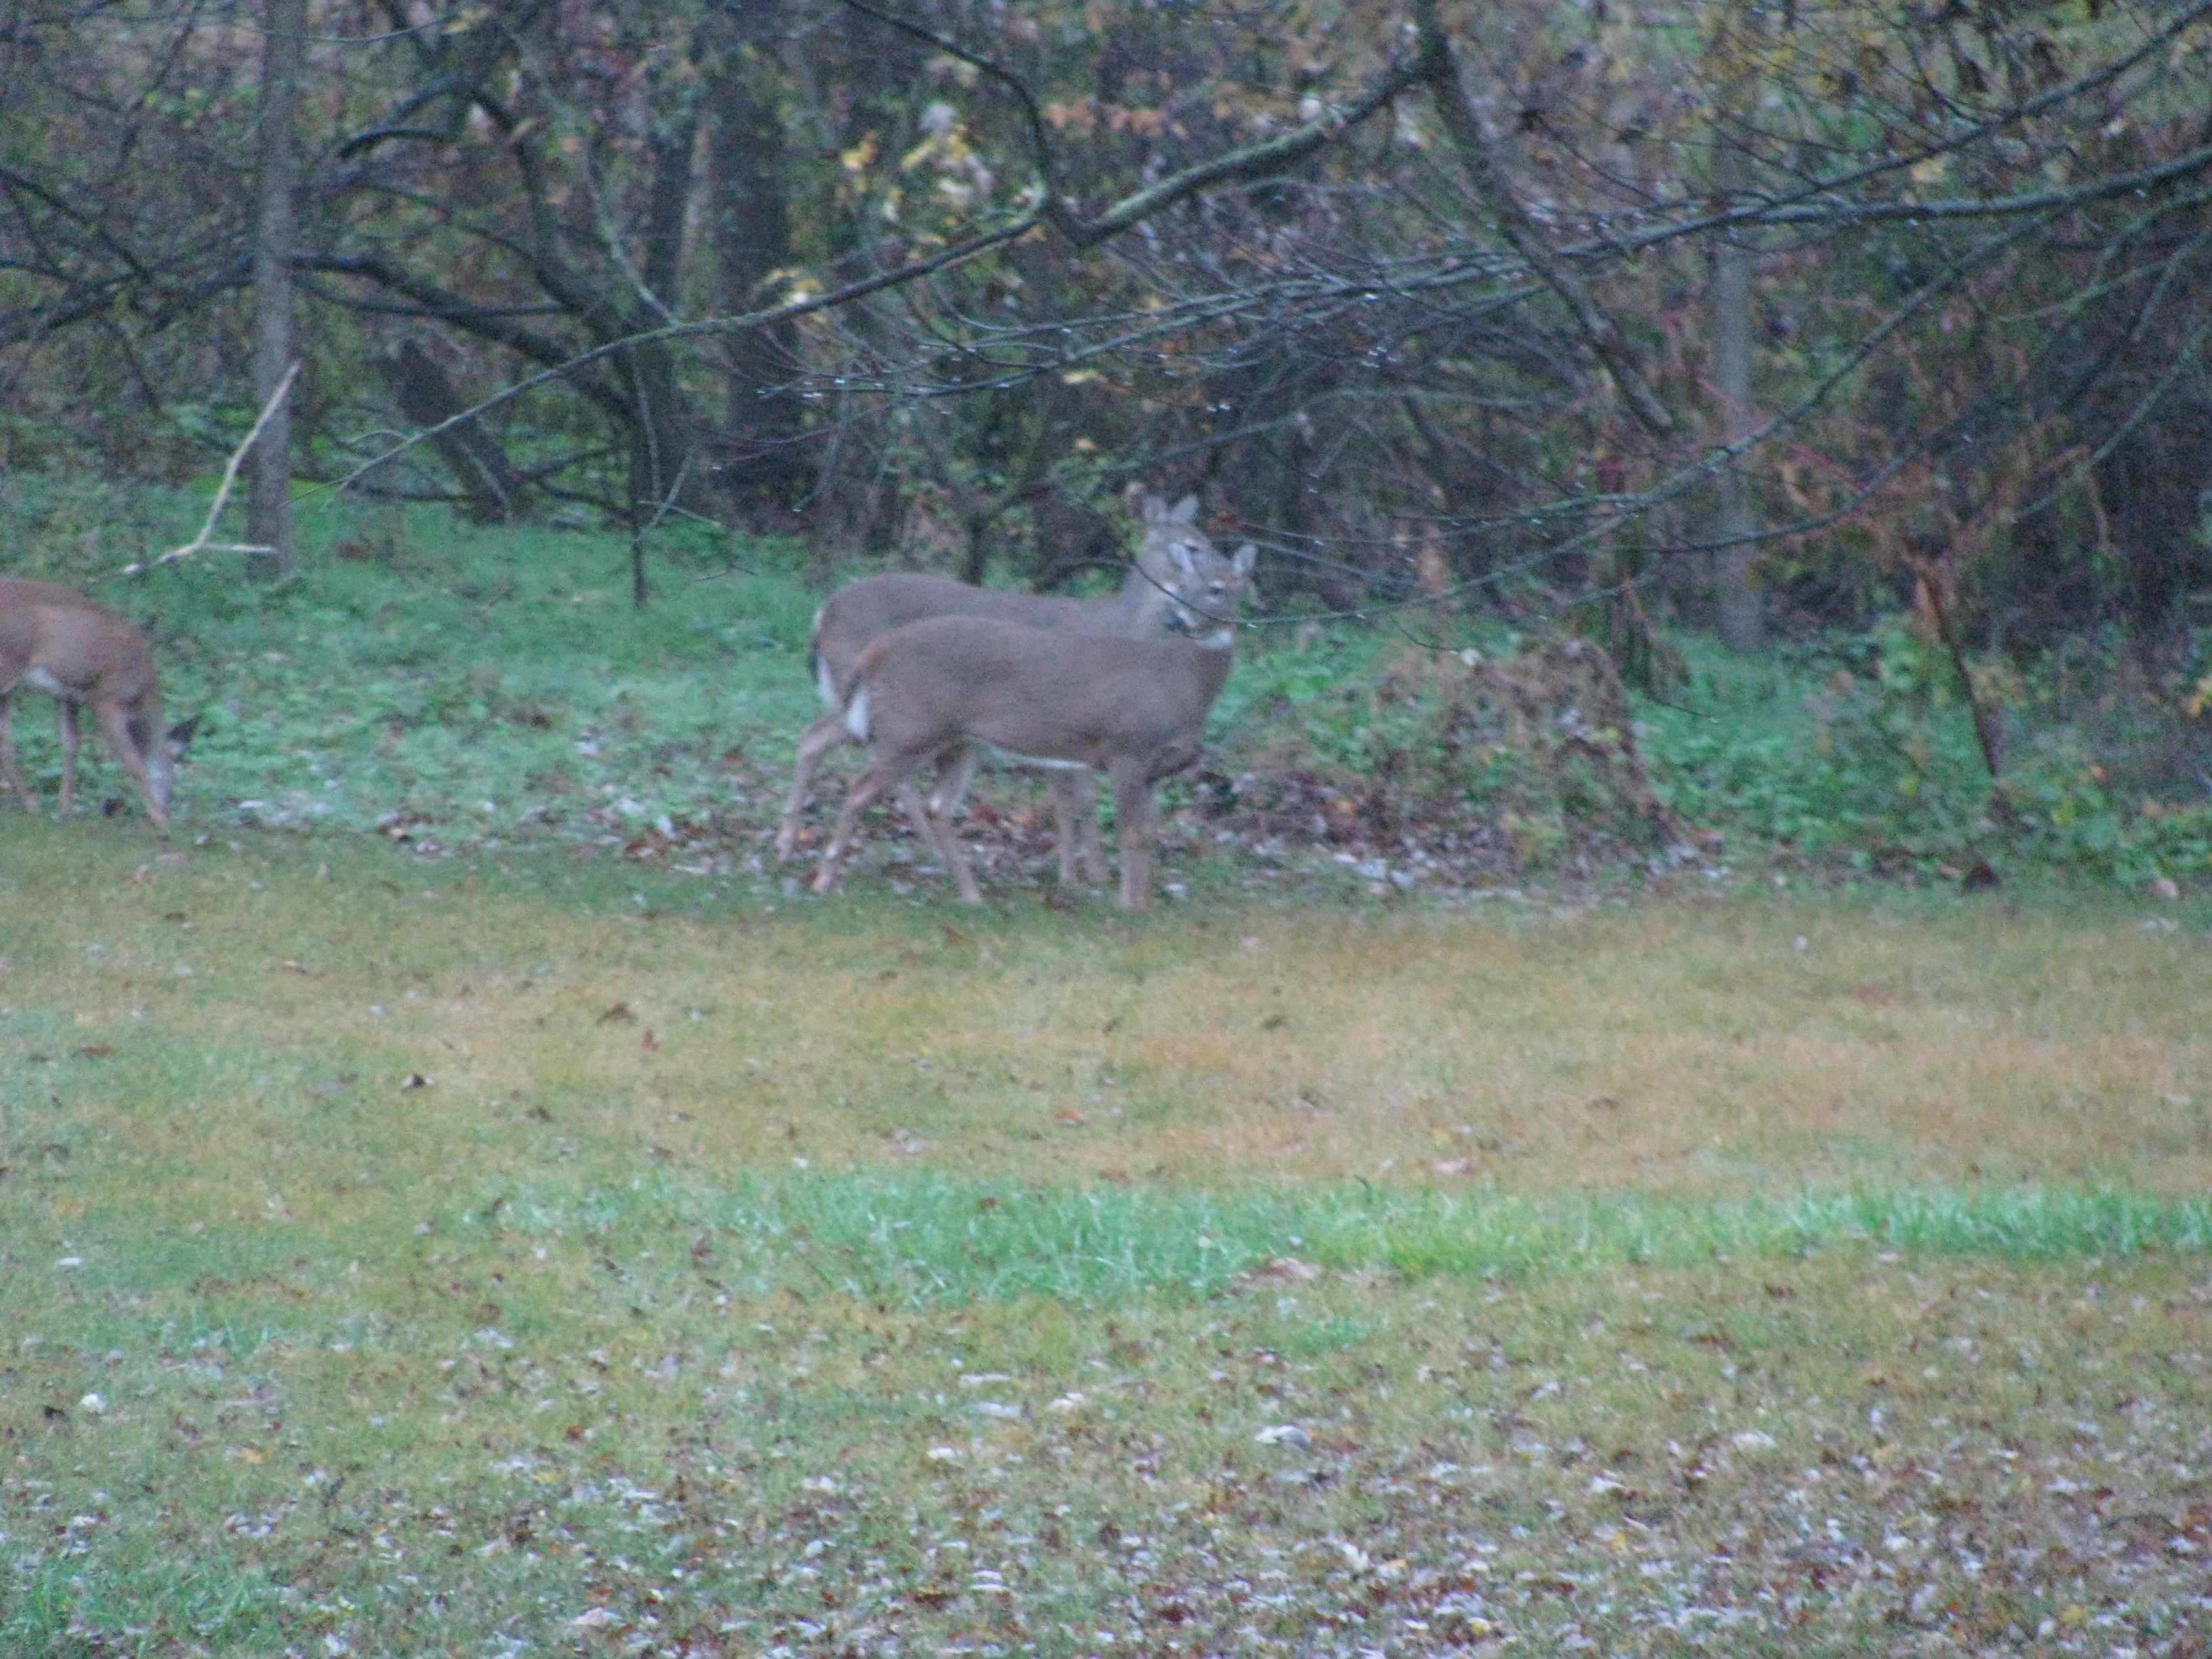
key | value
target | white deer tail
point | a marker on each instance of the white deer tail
(856, 713)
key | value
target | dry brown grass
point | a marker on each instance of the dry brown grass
(1690, 1049)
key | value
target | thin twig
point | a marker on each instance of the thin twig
(200, 544)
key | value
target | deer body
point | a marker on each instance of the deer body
(1151, 601)
(931, 692)
(54, 640)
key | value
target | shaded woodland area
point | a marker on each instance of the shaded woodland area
(1745, 319)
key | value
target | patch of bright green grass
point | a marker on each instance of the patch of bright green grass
(942, 1241)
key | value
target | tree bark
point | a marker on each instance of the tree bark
(1742, 606)
(269, 508)
(749, 231)
(495, 486)
(663, 427)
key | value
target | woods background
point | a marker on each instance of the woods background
(1751, 320)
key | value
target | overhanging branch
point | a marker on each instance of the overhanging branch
(1438, 64)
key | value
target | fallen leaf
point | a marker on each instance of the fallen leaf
(1288, 1270)
(96, 1050)
(414, 1080)
(1068, 1115)
(289, 966)
(618, 1013)
(648, 1043)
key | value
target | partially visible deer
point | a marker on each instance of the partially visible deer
(931, 692)
(54, 640)
(1172, 565)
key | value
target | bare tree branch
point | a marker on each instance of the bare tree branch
(1438, 64)
(200, 544)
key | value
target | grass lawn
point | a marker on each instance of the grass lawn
(408, 1256)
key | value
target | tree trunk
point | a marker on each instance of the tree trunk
(1735, 524)
(480, 467)
(269, 508)
(750, 230)
(664, 428)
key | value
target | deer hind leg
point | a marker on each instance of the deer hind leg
(13, 773)
(885, 772)
(817, 740)
(1133, 810)
(115, 726)
(955, 770)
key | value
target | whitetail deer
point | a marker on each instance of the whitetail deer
(1174, 563)
(52, 638)
(933, 691)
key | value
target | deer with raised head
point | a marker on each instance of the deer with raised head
(1172, 565)
(54, 640)
(934, 692)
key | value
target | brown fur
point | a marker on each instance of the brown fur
(55, 639)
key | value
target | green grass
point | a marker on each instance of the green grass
(944, 1242)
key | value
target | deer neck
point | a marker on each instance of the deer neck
(1217, 651)
(1143, 601)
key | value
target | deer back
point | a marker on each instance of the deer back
(53, 638)
(1083, 700)
(1175, 555)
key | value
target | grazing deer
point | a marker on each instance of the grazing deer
(1175, 562)
(933, 691)
(52, 638)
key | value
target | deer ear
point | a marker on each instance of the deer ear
(1246, 557)
(1155, 508)
(1186, 510)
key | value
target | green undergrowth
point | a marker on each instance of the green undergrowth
(1861, 749)
(451, 682)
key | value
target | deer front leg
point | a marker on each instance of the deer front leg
(13, 773)
(1132, 810)
(1075, 809)
(817, 740)
(65, 717)
(115, 726)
